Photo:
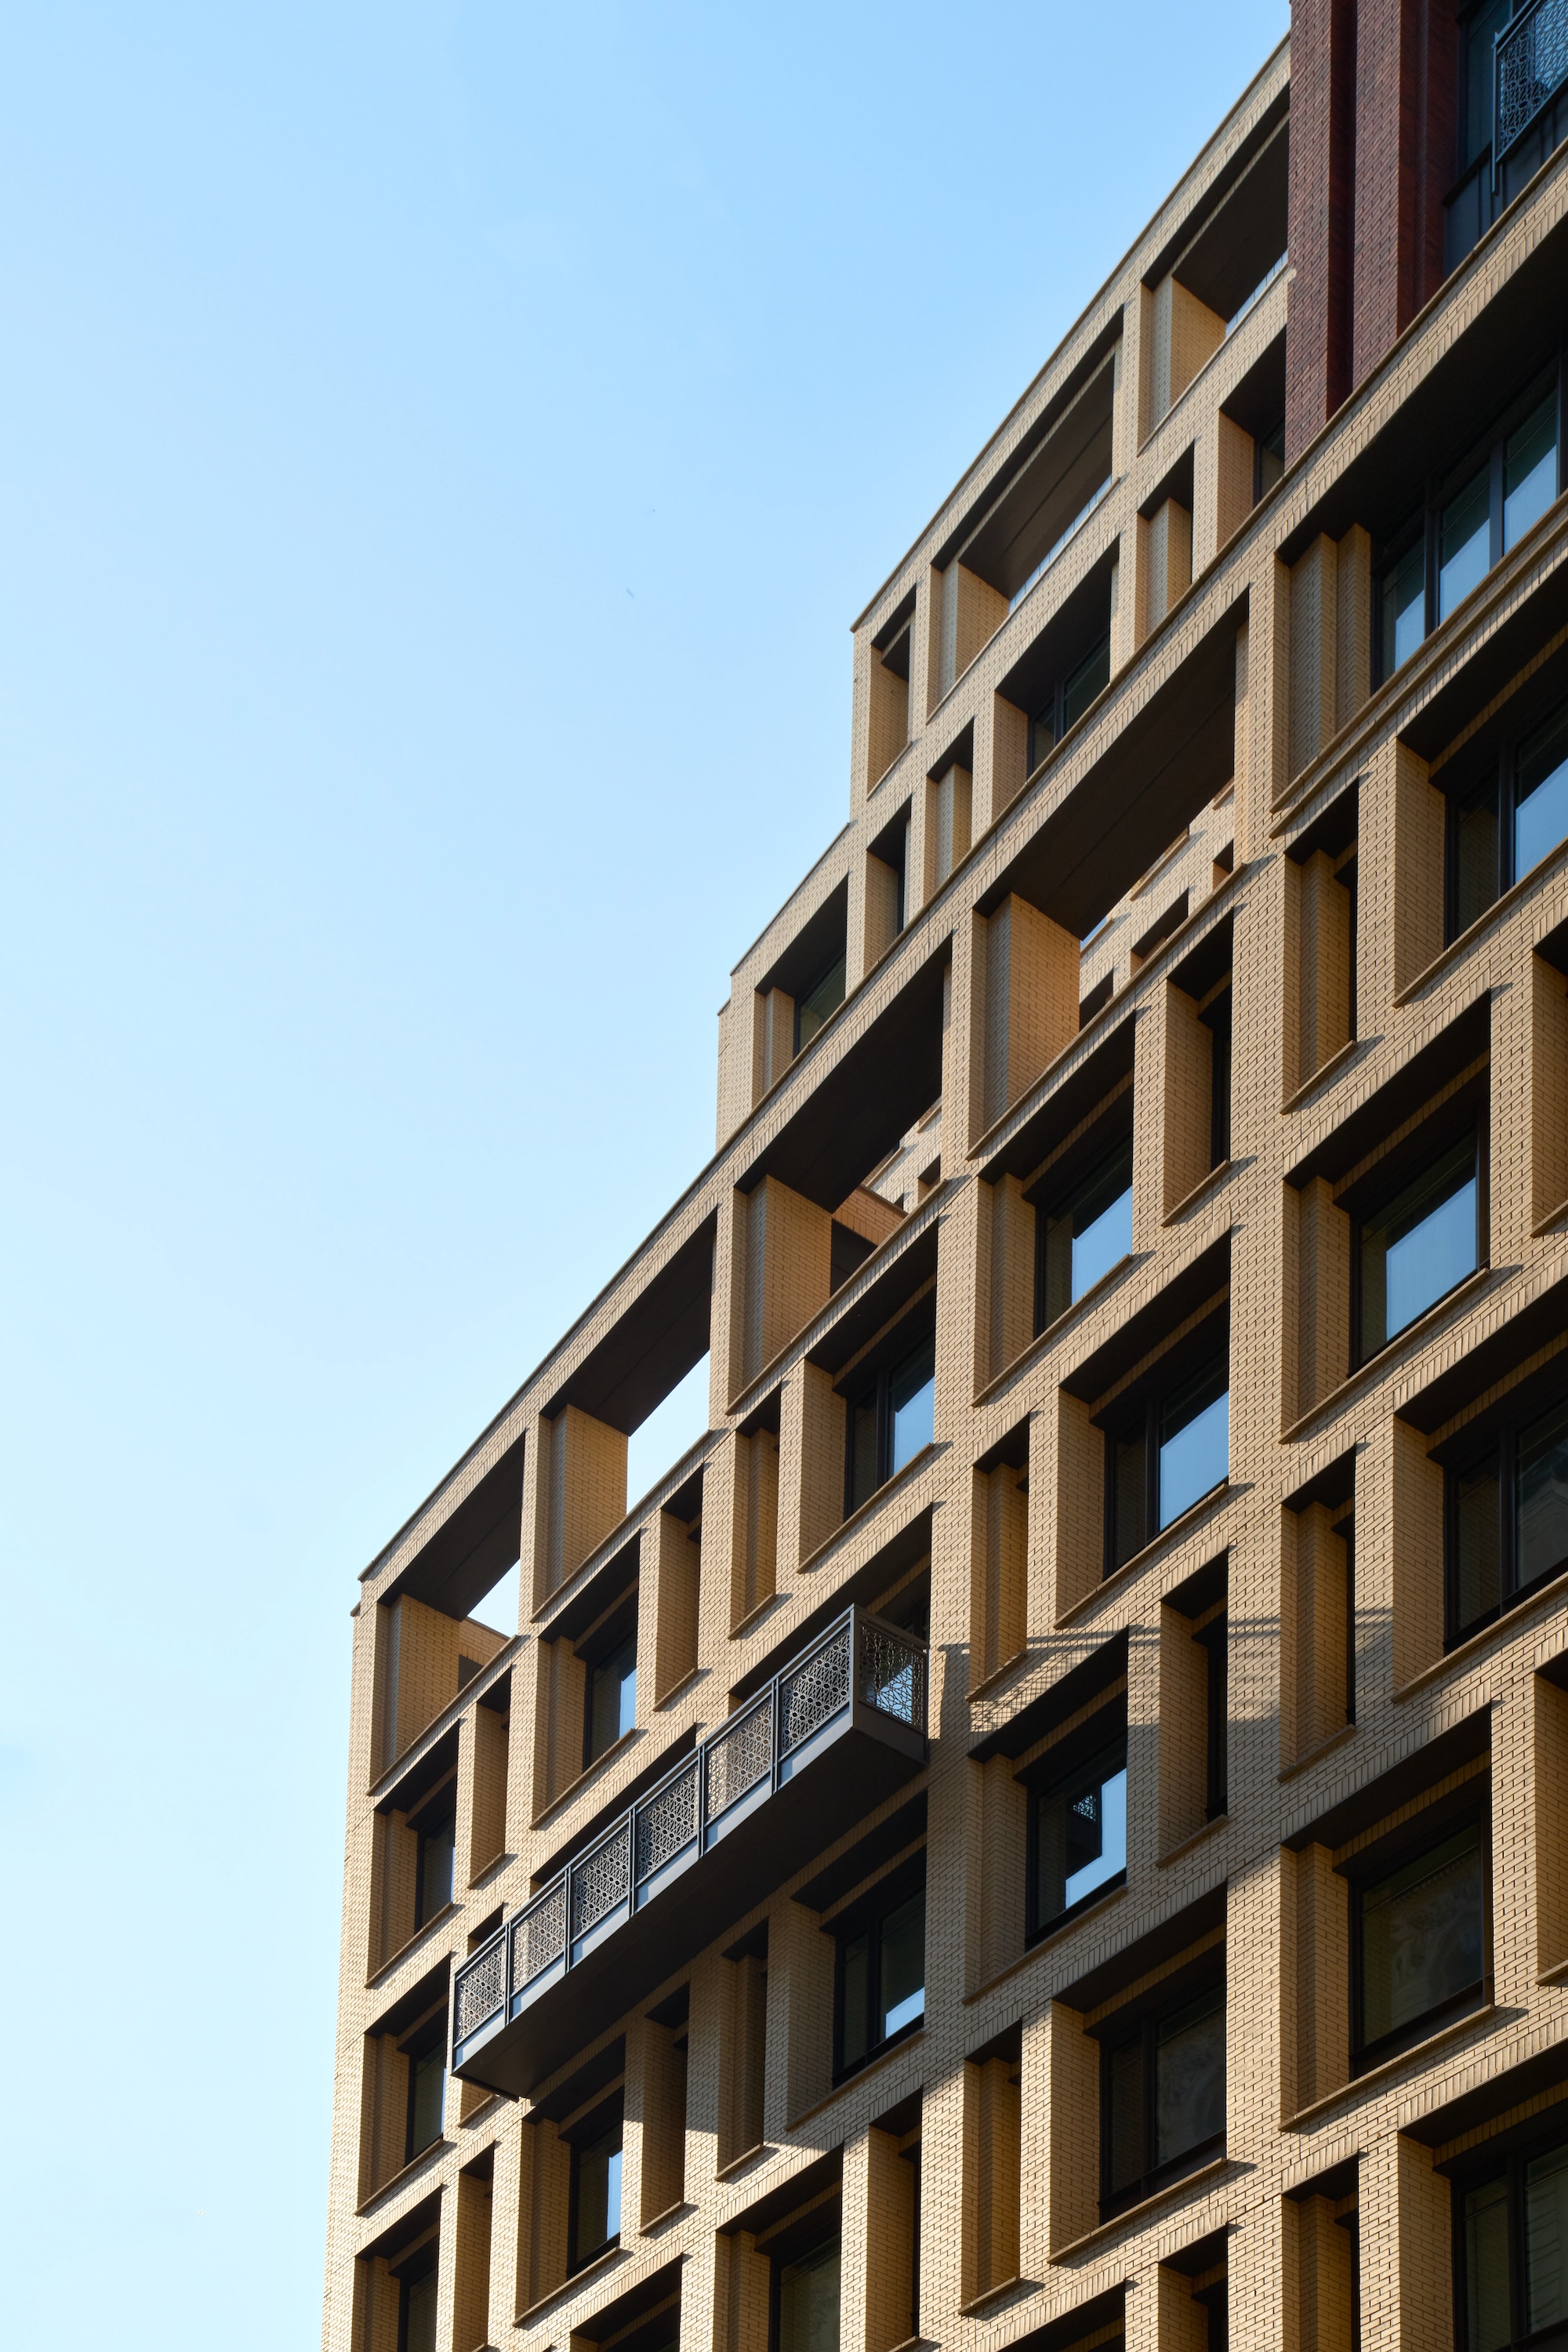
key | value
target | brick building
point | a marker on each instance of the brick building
(1046, 1827)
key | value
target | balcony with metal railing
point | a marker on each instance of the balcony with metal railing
(834, 1732)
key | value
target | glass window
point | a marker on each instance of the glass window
(808, 2301)
(427, 2095)
(1421, 1939)
(1474, 855)
(1540, 795)
(1089, 1232)
(611, 1698)
(1404, 607)
(1513, 2250)
(1529, 470)
(912, 1403)
(1415, 1249)
(1195, 1440)
(1508, 1518)
(891, 1418)
(1162, 2098)
(1079, 1834)
(433, 1876)
(1081, 686)
(1217, 1019)
(814, 1006)
(595, 2201)
(881, 1979)
(1269, 463)
(1481, 31)
(1464, 542)
(417, 2313)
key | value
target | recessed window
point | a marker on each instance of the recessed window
(427, 2055)
(1077, 1836)
(1171, 1451)
(1069, 699)
(1512, 2247)
(1214, 1639)
(433, 1869)
(1507, 1518)
(1419, 1943)
(1089, 1233)
(1479, 32)
(611, 1698)
(881, 1974)
(416, 2299)
(1162, 2098)
(1414, 1249)
(805, 2300)
(1504, 825)
(593, 2223)
(891, 1416)
(1216, 1018)
(814, 1005)
(1268, 459)
(1446, 552)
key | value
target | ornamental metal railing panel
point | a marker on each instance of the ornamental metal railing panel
(858, 1661)
(1529, 66)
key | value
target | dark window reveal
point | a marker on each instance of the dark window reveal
(881, 1973)
(1162, 2098)
(1419, 1945)
(1171, 1449)
(1414, 1248)
(1217, 1019)
(1087, 1232)
(805, 2301)
(824, 997)
(1511, 2228)
(1214, 1639)
(1508, 823)
(890, 1418)
(1507, 1518)
(416, 2295)
(433, 1870)
(1070, 699)
(594, 2220)
(1077, 1836)
(610, 1698)
(427, 2055)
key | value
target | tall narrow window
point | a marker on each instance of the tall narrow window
(891, 1417)
(1162, 2098)
(1403, 602)
(611, 1698)
(1069, 698)
(1077, 1836)
(1415, 1247)
(1166, 1453)
(881, 1973)
(1513, 2247)
(1464, 542)
(1215, 1640)
(816, 1004)
(1419, 1935)
(427, 2055)
(806, 2297)
(594, 2219)
(1505, 823)
(1507, 1517)
(416, 2298)
(432, 1871)
(1217, 1019)
(1087, 1232)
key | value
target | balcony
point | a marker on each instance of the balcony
(832, 1735)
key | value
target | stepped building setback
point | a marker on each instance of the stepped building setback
(1047, 1827)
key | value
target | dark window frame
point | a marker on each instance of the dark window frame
(427, 2040)
(836, 965)
(1497, 777)
(1484, 455)
(788, 2258)
(1182, 1363)
(1217, 1016)
(1053, 711)
(1509, 2163)
(1154, 2176)
(875, 1390)
(1364, 1876)
(1500, 1446)
(1214, 1640)
(598, 1650)
(868, 1917)
(415, 2275)
(1103, 1736)
(607, 2115)
(1406, 1169)
(1051, 1205)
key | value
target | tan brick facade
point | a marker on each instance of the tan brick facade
(1194, 906)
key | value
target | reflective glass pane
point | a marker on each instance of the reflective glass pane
(1490, 2326)
(1080, 1833)
(1195, 1440)
(1477, 1570)
(903, 1943)
(911, 1399)
(1124, 2120)
(1099, 1219)
(613, 1698)
(1529, 470)
(436, 1870)
(1189, 2075)
(855, 1994)
(1419, 1247)
(823, 998)
(1404, 607)
(1464, 542)
(1475, 855)
(1540, 1496)
(1127, 1493)
(1422, 1936)
(419, 2313)
(598, 2186)
(1541, 795)
(428, 2091)
(1479, 34)
(1546, 2237)
(808, 2302)
(1090, 677)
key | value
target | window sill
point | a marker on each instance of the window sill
(861, 2074)
(489, 1869)
(1324, 1071)
(590, 1772)
(671, 2213)
(1178, 1852)
(1465, 1651)
(600, 2263)
(1211, 1182)
(1375, 1366)
(1324, 1747)
(1053, 1331)
(1499, 908)
(1048, 1942)
(1206, 2175)
(449, 1911)
(863, 1511)
(738, 2164)
(401, 2179)
(752, 1618)
(1418, 2055)
(1001, 2293)
(998, 1674)
(1176, 1533)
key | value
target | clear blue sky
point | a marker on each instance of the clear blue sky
(442, 449)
